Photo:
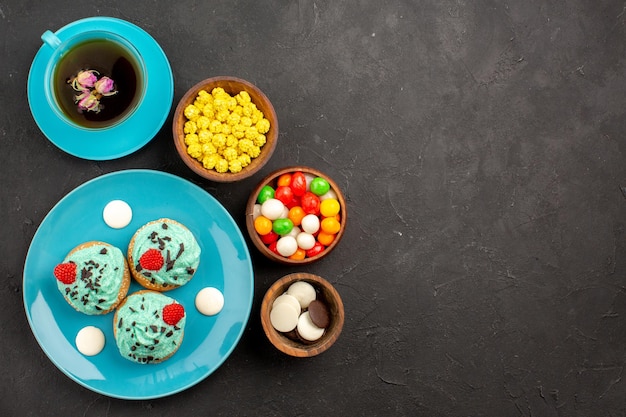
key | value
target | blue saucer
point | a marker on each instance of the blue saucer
(131, 134)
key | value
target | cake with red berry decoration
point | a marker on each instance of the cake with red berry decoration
(149, 327)
(93, 278)
(163, 255)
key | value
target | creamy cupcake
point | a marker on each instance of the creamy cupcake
(93, 278)
(163, 255)
(149, 327)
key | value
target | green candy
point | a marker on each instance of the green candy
(282, 226)
(266, 192)
(319, 186)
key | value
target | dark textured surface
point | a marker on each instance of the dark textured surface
(480, 145)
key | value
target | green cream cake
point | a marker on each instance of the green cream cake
(149, 327)
(163, 255)
(93, 278)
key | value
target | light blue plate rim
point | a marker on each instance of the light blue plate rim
(131, 134)
(225, 264)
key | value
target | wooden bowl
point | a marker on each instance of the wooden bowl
(271, 180)
(232, 86)
(325, 293)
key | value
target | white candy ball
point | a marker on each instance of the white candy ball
(308, 177)
(272, 208)
(305, 240)
(294, 232)
(256, 211)
(310, 223)
(329, 194)
(287, 246)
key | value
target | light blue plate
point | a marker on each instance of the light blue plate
(129, 135)
(225, 264)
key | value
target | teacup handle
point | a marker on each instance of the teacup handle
(50, 39)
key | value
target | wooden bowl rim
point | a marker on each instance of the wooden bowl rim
(256, 240)
(196, 166)
(292, 347)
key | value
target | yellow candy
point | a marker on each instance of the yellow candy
(192, 112)
(190, 139)
(226, 129)
(231, 141)
(220, 104)
(243, 97)
(215, 126)
(245, 145)
(329, 207)
(209, 149)
(246, 121)
(204, 136)
(208, 110)
(235, 166)
(233, 119)
(204, 97)
(217, 91)
(254, 151)
(224, 132)
(263, 126)
(219, 140)
(194, 150)
(260, 140)
(244, 159)
(190, 127)
(251, 132)
(230, 154)
(209, 161)
(221, 166)
(222, 115)
(203, 122)
(256, 116)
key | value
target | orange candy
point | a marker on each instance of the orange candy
(325, 238)
(299, 255)
(284, 180)
(262, 225)
(330, 225)
(296, 214)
